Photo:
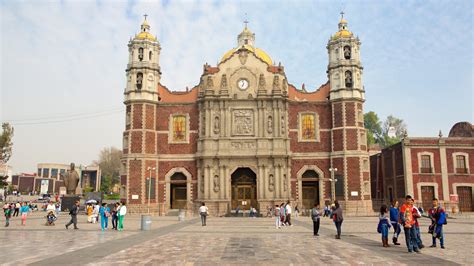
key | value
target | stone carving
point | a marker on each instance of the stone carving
(276, 83)
(224, 82)
(271, 182)
(210, 82)
(282, 123)
(243, 122)
(202, 184)
(71, 179)
(347, 52)
(216, 183)
(217, 124)
(261, 82)
(348, 79)
(242, 145)
(203, 125)
(243, 55)
(285, 183)
(270, 124)
(285, 86)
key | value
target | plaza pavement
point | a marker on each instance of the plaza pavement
(224, 241)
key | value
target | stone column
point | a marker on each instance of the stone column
(221, 182)
(407, 169)
(279, 177)
(444, 173)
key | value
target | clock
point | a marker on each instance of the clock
(243, 84)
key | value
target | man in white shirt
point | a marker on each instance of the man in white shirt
(288, 213)
(50, 207)
(203, 211)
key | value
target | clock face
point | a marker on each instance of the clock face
(243, 84)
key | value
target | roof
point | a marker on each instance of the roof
(256, 51)
(167, 96)
(462, 130)
(302, 95)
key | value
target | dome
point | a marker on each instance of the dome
(343, 34)
(257, 51)
(145, 36)
(462, 130)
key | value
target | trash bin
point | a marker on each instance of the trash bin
(146, 223)
(181, 215)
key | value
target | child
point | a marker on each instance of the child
(24, 212)
(277, 217)
(7, 211)
(384, 225)
(104, 216)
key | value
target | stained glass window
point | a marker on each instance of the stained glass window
(179, 128)
(308, 127)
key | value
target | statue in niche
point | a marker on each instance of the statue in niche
(285, 182)
(348, 79)
(283, 125)
(210, 82)
(276, 83)
(202, 184)
(285, 85)
(261, 82)
(216, 183)
(217, 124)
(347, 52)
(271, 182)
(224, 82)
(139, 80)
(270, 124)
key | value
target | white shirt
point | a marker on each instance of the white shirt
(50, 207)
(288, 209)
(203, 209)
(123, 210)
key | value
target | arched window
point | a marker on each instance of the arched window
(150, 55)
(348, 79)
(139, 80)
(347, 52)
(140, 54)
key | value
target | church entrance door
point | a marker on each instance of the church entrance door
(244, 189)
(310, 187)
(178, 189)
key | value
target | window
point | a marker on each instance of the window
(426, 164)
(140, 54)
(179, 128)
(348, 79)
(61, 172)
(39, 171)
(151, 192)
(150, 55)
(139, 80)
(347, 52)
(461, 164)
(339, 187)
(128, 118)
(45, 172)
(308, 131)
(54, 173)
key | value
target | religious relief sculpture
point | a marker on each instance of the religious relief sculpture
(285, 183)
(282, 123)
(202, 184)
(216, 183)
(210, 82)
(243, 55)
(71, 180)
(224, 82)
(271, 182)
(243, 122)
(261, 82)
(217, 124)
(347, 52)
(348, 79)
(276, 83)
(285, 86)
(270, 124)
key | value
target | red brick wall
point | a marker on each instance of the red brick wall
(165, 167)
(323, 145)
(338, 140)
(136, 142)
(337, 110)
(353, 177)
(469, 179)
(149, 116)
(163, 113)
(177, 148)
(451, 163)
(417, 178)
(350, 114)
(137, 116)
(135, 181)
(322, 164)
(351, 139)
(150, 144)
(415, 163)
(323, 111)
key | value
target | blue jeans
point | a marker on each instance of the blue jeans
(396, 229)
(418, 236)
(384, 231)
(441, 238)
(338, 227)
(104, 222)
(410, 238)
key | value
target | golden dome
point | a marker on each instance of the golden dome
(343, 34)
(258, 53)
(343, 21)
(145, 36)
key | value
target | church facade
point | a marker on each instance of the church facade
(245, 136)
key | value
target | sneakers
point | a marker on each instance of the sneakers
(442, 247)
(417, 251)
(432, 246)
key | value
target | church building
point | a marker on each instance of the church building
(245, 136)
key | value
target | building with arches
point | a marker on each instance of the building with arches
(245, 136)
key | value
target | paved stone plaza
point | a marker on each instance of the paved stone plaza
(223, 241)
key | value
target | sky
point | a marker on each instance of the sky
(62, 70)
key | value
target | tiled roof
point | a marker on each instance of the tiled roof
(300, 95)
(168, 96)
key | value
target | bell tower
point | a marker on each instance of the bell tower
(351, 182)
(140, 159)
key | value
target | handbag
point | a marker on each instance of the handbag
(379, 227)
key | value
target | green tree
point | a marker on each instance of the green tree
(109, 163)
(6, 143)
(385, 134)
(374, 127)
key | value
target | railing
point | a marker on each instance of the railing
(426, 170)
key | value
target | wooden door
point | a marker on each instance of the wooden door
(178, 197)
(427, 195)
(244, 196)
(310, 194)
(465, 199)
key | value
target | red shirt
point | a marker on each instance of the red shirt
(407, 212)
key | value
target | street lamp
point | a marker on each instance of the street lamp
(333, 183)
(149, 185)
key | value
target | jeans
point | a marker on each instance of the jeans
(114, 221)
(288, 218)
(104, 222)
(316, 227)
(441, 238)
(338, 228)
(203, 220)
(277, 222)
(396, 229)
(384, 231)
(410, 238)
(418, 236)
(73, 221)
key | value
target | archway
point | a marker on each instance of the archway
(178, 191)
(244, 188)
(310, 189)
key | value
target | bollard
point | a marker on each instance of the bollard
(146, 223)
(181, 215)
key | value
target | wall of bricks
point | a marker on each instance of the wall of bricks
(322, 109)
(350, 114)
(136, 139)
(337, 113)
(137, 119)
(351, 139)
(353, 177)
(150, 144)
(149, 116)
(323, 145)
(135, 181)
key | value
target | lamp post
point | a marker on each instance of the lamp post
(333, 183)
(149, 185)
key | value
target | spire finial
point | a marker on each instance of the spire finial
(246, 20)
(342, 15)
(145, 15)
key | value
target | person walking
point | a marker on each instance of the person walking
(384, 225)
(122, 213)
(277, 217)
(203, 212)
(416, 215)
(296, 211)
(394, 212)
(408, 223)
(104, 212)
(89, 210)
(288, 213)
(115, 216)
(24, 210)
(315, 216)
(438, 219)
(73, 212)
(7, 211)
(337, 218)
(17, 209)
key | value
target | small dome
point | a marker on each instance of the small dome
(145, 36)
(343, 34)
(257, 51)
(462, 130)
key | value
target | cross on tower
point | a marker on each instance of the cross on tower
(342, 14)
(246, 21)
(145, 16)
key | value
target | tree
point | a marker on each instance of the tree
(373, 126)
(6, 143)
(386, 134)
(109, 163)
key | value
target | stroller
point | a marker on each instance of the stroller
(50, 218)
